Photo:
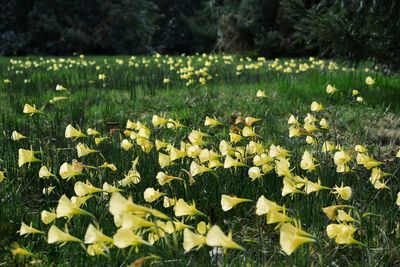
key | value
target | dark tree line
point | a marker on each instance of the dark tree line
(350, 29)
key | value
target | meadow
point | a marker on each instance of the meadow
(201, 160)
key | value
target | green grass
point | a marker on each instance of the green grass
(138, 94)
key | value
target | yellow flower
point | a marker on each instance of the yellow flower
(91, 131)
(26, 156)
(250, 121)
(66, 208)
(355, 92)
(327, 146)
(126, 238)
(132, 222)
(377, 175)
(228, 202)
(330, 211)
(16, 136)
(2, 176)
(277, 151)
(67, 171)
(342, 233)
(96, 249)
(260, 94)
(197, 169)
(169, 202)
(254, 173)
(360, 99)
(311, 187)
(59, 87)
(192, 240)
(175, 153)
(27, 230)
(289, 187)
(151, 195)
(291, 237)
(234, 138)
(119, 205)
(249, 132)
(369, 81)
(367, 161)
(163, 178)
(212, 122)
(158, 121)
(164, 160)
(31, 110)
(71, 132)
(99, 140)
(217, 238)
(126, 145)
(315, 106)
(102, 77)
(307, 161)
(84, 150)
(184, 209)
(344, 192)
(94, 235)
(55, 235)
(398, 199)
(47, 217)
(330, 89)
(45, 173)
(341, 159)
(20, 251)
(230, 162)
(83, 189)
(293, 120)
(202, 227)
(196, 138)
(107, 165)
(225, 148)
(266, 206)
(343, 216)
(324, 124)
(282, 168)
(110, 189)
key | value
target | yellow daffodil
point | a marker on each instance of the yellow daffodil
(163, 178)
(83, 189)
(342, 233)
(212, 122)
(342, 159)
(84, 150)
(94, 235)
(291, 237)
(126, 144)
(16, 136)
(44, 172)
(71, 132)
(317, 107)
(228, 202)
(26, 156)
(369, 81)
(67, 208)
(151, 195)
(27, 230)
(330, 211)
(330, 89)
(47, 217)
(308, 161)
(197, 169)
(55, 235)
(126, 238)
(261, 94)
(192, 240)
(31, 110)
(231, 162)
(217, 238)
(344, 192)
(182, 208)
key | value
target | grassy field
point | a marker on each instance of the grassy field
(103, 93)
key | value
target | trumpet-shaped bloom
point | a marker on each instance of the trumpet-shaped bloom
(16, 136)
(228, 202)
(344, 192)
(230, 162)
(342, 233)
(71, 132)
(45, 173)
(94, 235)
(126, 144)
(84, 150)
(26, 156)
(212, 122)
(91, 131)
(330, 89)
(83, 189)
(217, 238)
(31, 110)
(249, 132)
(126, 238)
(55, 235)
(28, 229)
(163, 178)
(192, 240)
(369, 81)
(197, 169)
(254, 173)
(342, 159)
(47, 217)
(261, 94)
(330, 211)
(308, 161)
(67, 208)
(68, 171)
(182, 208)
(291, 237)
(315, 106)
(151, 195)
(266, 206)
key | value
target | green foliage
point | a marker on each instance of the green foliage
(355, 30)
